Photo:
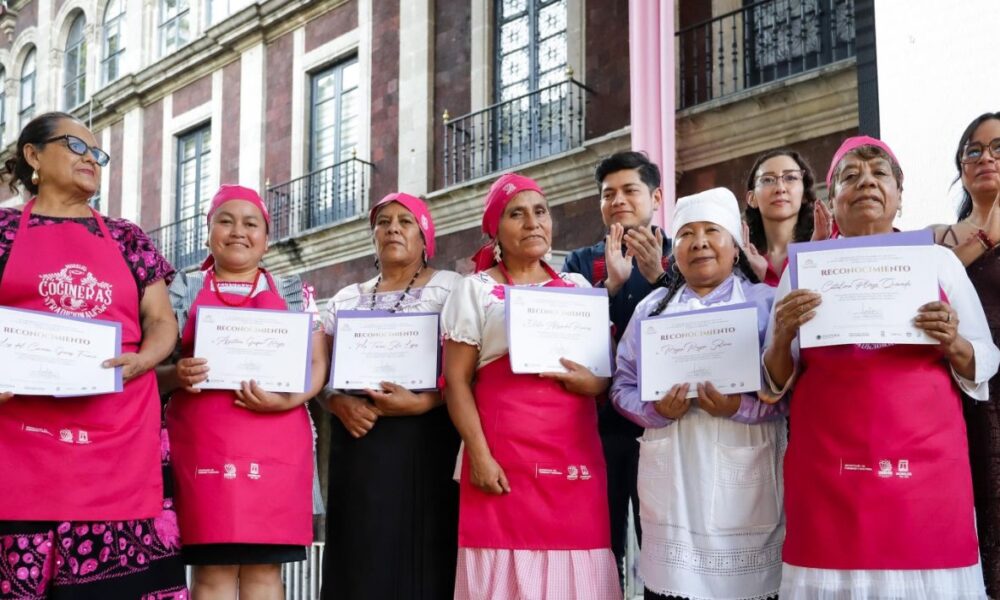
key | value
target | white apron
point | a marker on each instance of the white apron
(710, 501)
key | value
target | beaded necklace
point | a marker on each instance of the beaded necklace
(399, 302)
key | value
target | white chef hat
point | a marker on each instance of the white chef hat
(717, 205)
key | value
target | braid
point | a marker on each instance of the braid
(744, 268)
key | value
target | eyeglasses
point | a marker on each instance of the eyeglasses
(974, 151)
(80, 147)
(788, 178)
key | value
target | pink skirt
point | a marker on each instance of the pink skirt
(488, 574)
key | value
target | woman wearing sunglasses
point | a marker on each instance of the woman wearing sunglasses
(974, 238)
(84, 514)
(781, 208)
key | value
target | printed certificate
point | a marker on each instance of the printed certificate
(545, 324)
(370, 347)
(272, 347)
(720, 345)
(42, 354)
(872, 287)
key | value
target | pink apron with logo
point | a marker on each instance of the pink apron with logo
(90, 458)
(877, 469)
(241, 476)
(545, 439)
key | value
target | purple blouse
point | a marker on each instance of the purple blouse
(143, 259)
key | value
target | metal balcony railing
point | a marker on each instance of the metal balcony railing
(323, 197)
(513, 132)
(761, 42)
(182, 242)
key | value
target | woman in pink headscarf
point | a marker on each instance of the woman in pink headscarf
(878, 493)
(393, 507)
(243, 460)
(533, 516)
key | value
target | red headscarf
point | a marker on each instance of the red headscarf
(501, 192)
(418, 208)
(853, 143)
(229, 192)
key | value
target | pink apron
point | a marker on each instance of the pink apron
(545, 439)
(241, 476)
(90, 458)
(877, 469)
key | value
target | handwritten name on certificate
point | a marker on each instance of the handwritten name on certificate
(47, 355)
(372, 347)
(870, 294)
(720, 345)
(271, 347)
(546, 324)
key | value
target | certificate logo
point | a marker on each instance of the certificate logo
(74, 291)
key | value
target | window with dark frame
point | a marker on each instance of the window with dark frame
(114, 40)
(75, 64)
(26, 104)
(175, 25)
(191, 192)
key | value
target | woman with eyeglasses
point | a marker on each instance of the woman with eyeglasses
(973, 239)
(83, 514)
(781, 208)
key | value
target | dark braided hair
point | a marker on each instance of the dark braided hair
(16, 169)
(742, 269)
(804, 223)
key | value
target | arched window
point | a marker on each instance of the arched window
(175, 25)
(114, 40)
(75, 65)
(26, 106)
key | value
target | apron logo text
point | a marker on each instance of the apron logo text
(74, 291)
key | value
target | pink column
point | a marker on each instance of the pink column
(651, 70)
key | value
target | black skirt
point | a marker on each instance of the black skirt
(392, 514)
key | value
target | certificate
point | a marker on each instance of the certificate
(720, 345)
(370, 347)
(545, 324)
(272, 347)
(871, 286)
(42, 354)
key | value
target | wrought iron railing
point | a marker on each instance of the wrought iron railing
(323, 197)
(182, 242)
(761, 42)
(513, 132)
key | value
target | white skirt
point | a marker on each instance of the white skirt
(803, 583)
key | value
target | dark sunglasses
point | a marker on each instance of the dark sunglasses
(80, 147)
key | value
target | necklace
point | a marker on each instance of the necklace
(399, 301)
(241, 301)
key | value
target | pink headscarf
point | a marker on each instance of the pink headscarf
(229, 192)
(853, 143)
(418, 208)
(501, 192)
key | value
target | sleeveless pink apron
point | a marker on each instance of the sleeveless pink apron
(545, 439)
(240, 476)
(90, 458)
(877, 469)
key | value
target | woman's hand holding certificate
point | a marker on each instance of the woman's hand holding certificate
(545, 325)
(270, 347)
(49, 355)
(717, 345)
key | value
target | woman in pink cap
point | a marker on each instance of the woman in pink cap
(527, 529)
(393, 507)
(878, 496)
(237, 529)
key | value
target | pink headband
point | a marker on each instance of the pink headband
(501, 193)
(229, 192)
(418, 208)
(853, 143)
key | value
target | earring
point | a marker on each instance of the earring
(35, 178)
(736, 259)
(548, 255)
(425, 257)
(497, 253)
(377, 266)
